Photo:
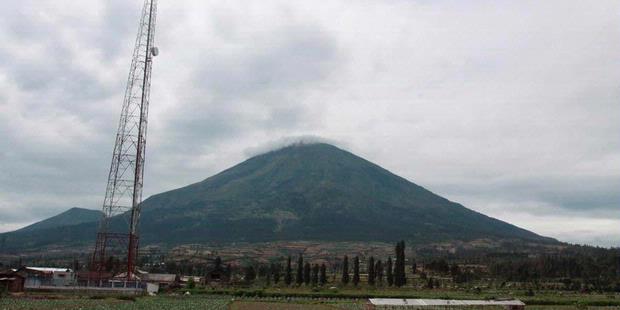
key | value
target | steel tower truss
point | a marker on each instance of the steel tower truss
(124, 189)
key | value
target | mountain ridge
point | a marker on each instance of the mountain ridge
(306, 192)
(72, 216)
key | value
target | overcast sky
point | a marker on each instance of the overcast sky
(511, 108)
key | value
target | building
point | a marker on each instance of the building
(184, 280)
(163, 280)
(11, 281)
(36, 277)
(395, 303)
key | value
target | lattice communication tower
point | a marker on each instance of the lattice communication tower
(121, 207)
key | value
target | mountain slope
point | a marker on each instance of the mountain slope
(300, 192)
(72, 216)
(315, 192)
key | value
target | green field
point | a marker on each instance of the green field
(207, 302)
(540, 298)
(174, 303)
(142, 303)
(294, 299)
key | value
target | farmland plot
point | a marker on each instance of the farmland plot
(153, 303)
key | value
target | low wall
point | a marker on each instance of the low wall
(88, 290)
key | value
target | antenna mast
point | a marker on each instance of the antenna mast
(125, 180)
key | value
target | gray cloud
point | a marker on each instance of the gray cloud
(508, 107)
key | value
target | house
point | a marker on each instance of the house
(164, 280)
(11, 281)
(184, 280)
(46, 276)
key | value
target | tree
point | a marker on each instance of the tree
(455, 270)
(275, 272)
(440, 266)
(356, 271)
(109, 265)
(190, 283)
(390, 275)
(371, 271)
(323, 275)
(315, 274)
(379, 271)
(228, 270)
(268, 278)
(345, 270)
(112, 265)
(263, 270)
(288, 277)
(250, 274)
(307, 273)
(300, 270)
(400, 278)
(430, 283)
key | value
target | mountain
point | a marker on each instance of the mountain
(300, 192)
(72, 216)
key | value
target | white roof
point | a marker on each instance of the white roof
(442, 302)
(49, 269)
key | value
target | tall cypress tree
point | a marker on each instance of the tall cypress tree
(430, 283)
(275, 272)
(268, 278)
(300, 270)
(288, 276)
(307, 273)
(250, 274)
(397, 263)
(400, 278)
(345, 270)
(315, 274)
(323, 275)
(403, 274)
(76, 265)
(379, 272)
(389, 274)
(371, 271)
(356, 271)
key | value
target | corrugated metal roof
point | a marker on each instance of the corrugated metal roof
(49, 269)
(442, 302)
(159, 277)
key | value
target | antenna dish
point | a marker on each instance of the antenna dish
(154, 51)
